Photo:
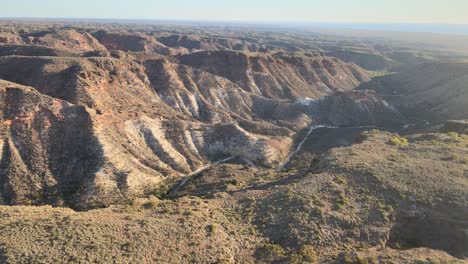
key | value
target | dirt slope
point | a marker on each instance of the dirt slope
(431, 91)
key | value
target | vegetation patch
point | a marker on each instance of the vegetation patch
(271, 253)
(305, 254)
(398, 141)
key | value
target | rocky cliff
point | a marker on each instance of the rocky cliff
(126, 117)
(281, 75)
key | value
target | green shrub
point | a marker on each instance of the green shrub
(398, 141)
(361, 260)
(348, 259)
(453, 135)
(340, 180)
(161, 191)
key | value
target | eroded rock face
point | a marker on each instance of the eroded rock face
(212, 99)
(49, 151)
(139, 138)
(280, 75)
(104, 117)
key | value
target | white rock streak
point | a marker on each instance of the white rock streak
(298, 148)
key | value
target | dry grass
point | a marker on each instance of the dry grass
(165, 234)
(314, 213)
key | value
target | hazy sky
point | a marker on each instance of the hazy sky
(405, 11)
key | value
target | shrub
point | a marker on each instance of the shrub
(271, 252)
(361, 260)
(348, 260)
(340, 201)
(161, 191)
(211, 229)
(457, 158)
(398, 141)
(307, 253)
(340, 180)
(453, 135)
(426, 261)
(224, 261)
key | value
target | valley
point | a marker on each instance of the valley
(169, 143)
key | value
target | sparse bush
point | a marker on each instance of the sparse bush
(395, 157)
(453, 135)
(398, 141)
(426, 261)
(340, 180)
(457, 158)
(348, 260)
(160, 192)
(151, 204)
(224, 261)
(212, 229)
(307, 254)
(360, 260)
(341, 201)
(317, 211)
(271, 253)
(234, 182)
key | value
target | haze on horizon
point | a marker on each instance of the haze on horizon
(354, 11)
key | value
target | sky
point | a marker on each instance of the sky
(367, 11)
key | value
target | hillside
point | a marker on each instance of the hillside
(343, 210)
(430, 91)
(281, 75)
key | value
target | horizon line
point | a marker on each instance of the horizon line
(239, 20)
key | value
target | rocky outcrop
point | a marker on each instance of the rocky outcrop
(49, 151)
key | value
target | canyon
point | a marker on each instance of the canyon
(177, 144)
